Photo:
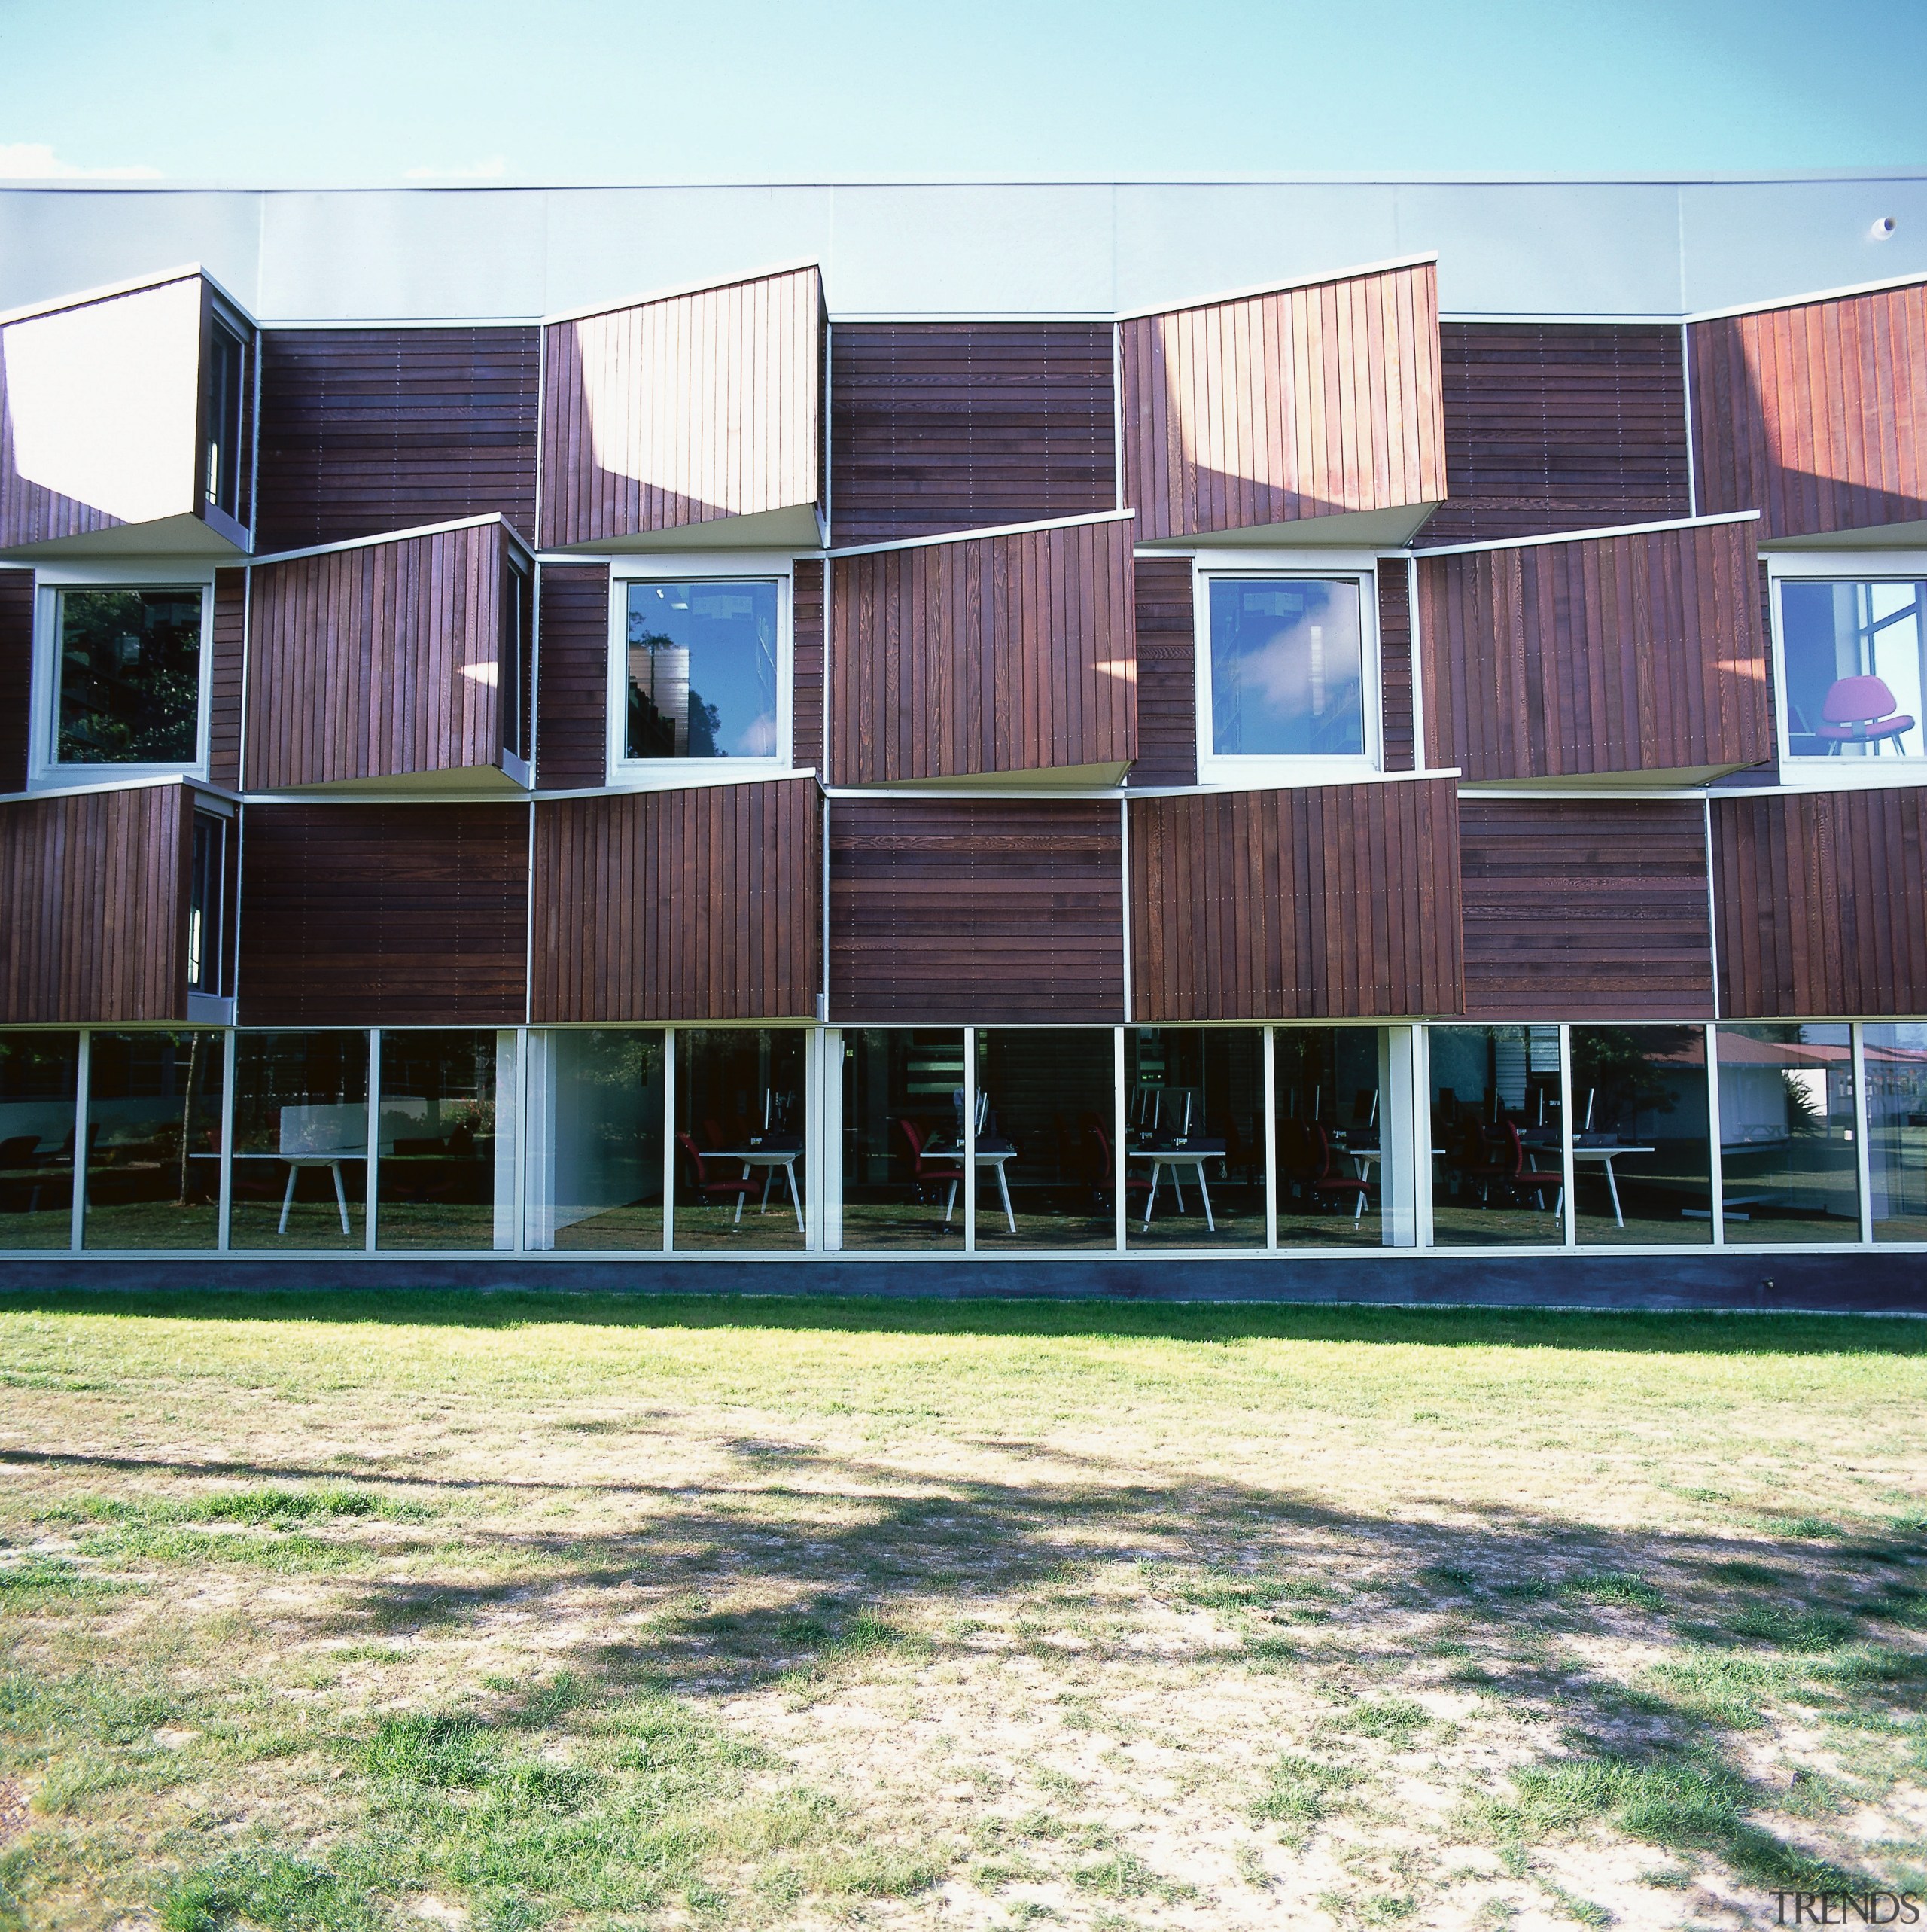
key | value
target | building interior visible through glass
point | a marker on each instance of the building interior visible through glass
(1855, 685)
(1287, 668)
(1333, 1105)
(739, 1171)
(130, 678)
(701, 669)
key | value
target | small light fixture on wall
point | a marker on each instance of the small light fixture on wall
(1882, 228)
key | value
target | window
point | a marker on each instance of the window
(207, 944)
(702, 670)
(1290, 672)
(127, 682)
(223, 460)
(1852, 653)
(517, 662)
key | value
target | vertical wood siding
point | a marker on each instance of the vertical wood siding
(1166, 673)
(1822, 903)
(1395, 663)
(676, 412)
(1554, 426)
(807, 746)
(367, 431)
(17, 601)
(224, 676)
(1630, 653)
(988, 654)
(943, 426)
(697, 904)
(93, 907)
(1585, 909)
(364, 663)
(1271, 409)
(572, 706)
(384, 915)
(1816, 415)
(997, 913)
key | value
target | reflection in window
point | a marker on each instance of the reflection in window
(444, 1136)
(902, 1137)
(1497, 1158)
(739, 1164)
(301, 1140)
(207, 907)
(37, 1075)
(1787, 1163)
(1344, 1180)
(1194, 1137)
(226, 407)
(1046, 1127)
(1287, 668)
(1896, 1059)
(702, 670)
(1854, 678)
(595, 1139)
(153, 1140)
(130, 678)
(1642, 1166)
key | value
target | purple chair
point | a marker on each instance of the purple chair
(1861, 710)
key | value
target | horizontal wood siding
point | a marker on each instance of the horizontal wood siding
(384, 915)
(572, 703)
(998, 913)
(1554, 426)
(367, 431)
(93, 907)
(362, 663)
(17, 601)
(1326, 902)
(1816, 415)
(988, 654)
(945, 426)
(1639, 653)
(1395, 663)
(697, 904)
(1166, 620)
(807, 746)
(676, 413)
(1823, 901)
(224, 676)
(1270, 409)
(1585, 909)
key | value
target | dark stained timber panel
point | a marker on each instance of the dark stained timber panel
(224, 677)
(384, 915)
(950, 426)
(17, 599)
(1586, 910)
(572, 698)
(994, 912)
(1395, 662)
(367, 431)
(1323, 902)
(807, 746)
(1166, 673)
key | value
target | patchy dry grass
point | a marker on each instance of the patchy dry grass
(338, 1612)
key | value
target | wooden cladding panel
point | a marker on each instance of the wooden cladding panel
(367, 431)
(693, 904)
(1638, 652)
(1585, 909)
(1395, 664)
(1326, 902)
(384, 915)
(1553, 426)
(996, 912)
(1271, 409)
(1816, 415)
(1166, 618)
(988, 654)
(17, 601)
(806, 684)
(676, 412)
(377, 661)
(94, 906)
(572, 703)
(945, 426)
(224, 677)
(1822, 903)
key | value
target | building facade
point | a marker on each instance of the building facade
(1313, 784)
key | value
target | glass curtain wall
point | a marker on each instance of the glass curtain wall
(1641, 1157)
(902, 1136)
(1333, 1103)
(1194, 1137)
(740, 1169)
(153, 1140)
(444, 1096)
(301, 1140)
(1789, 1167)
(1895, 1058)
(1498, 1168)
(595, 1159)
(1046, 1122)
(38, 1074)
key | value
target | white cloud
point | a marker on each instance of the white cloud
(34, 160)
(492, 169)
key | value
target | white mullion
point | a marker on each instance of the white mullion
(1118, 1168)
(1863, 1153)
(76, 1201)
(969, 1140)
(1270, 1142)
(373, 1184)
(1568, 1164)
(1422, 1132)
(226, 1195)
(519, 1245)
(1715, 1151)
(668, 1139)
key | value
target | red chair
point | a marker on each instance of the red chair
(697, 1184)
(1322, 1177)
(1509, 1165)
(932, 1167)
(1104, 1170)
(1861, 710)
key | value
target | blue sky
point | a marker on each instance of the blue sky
(358, 91)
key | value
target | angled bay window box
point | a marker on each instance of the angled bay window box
(689, 418)
(127, 423)
(394, 661)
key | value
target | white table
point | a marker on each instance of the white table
(1605, 1157)
(998, 1158)
(1175, 1158)
(769, 1159)
(331, 1160)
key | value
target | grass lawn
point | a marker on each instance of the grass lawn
(507, 1611)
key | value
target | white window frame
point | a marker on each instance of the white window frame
(1804, 770)
(50, 581)
(712, 567)
(1267, 768)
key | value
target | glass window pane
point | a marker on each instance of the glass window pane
(1895, 1061)
(227, 365)
(1287, 667)
(301, 1140)
(595, 1139)
(1333, 1102)
(38, 1072)
(1642, 1166)
(1046, 1114)
(702, 669)
(740, 1110)
(1855, 687)
(1788, 1162)
(129, 677)
(153, 1140)
(902, 1129)
(1194, 1137)
(1497, 1165)
(445, 1180)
